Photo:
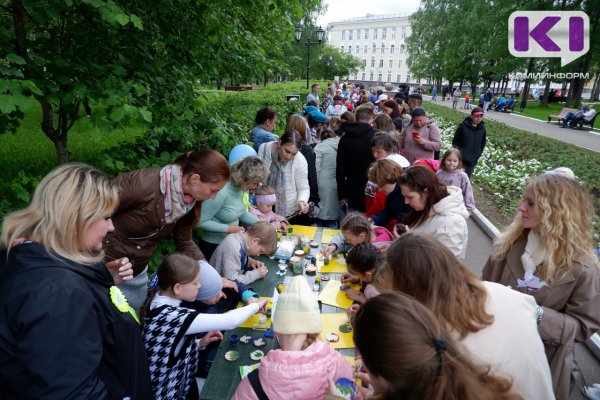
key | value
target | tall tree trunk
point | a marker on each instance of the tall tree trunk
(546, 92)
(526, 87)
(596, 89)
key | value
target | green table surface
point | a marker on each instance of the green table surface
(224, 376)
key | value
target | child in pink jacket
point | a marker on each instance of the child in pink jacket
(265, 199)
(302, 367)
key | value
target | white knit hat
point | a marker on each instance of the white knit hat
(297, 309)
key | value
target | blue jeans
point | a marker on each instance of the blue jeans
(570, 116)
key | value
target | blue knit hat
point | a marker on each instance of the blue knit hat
(318, 116)
(211, 283)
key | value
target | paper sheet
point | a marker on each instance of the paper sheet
(334, 267)
(249, 323)
(328, 235)
(331, 324)
(333, 296)
(301, 230)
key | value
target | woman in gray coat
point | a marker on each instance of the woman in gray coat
(326, 153)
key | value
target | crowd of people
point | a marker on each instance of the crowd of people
(74, 282)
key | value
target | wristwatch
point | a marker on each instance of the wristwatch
(539, 314)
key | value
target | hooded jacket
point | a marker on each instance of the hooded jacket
(297, 375)
(354, 157)
(61, 337)
(470, 140)
(447, 222)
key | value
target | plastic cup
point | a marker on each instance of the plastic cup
(233, 340)
(326, 261)
(280, 287)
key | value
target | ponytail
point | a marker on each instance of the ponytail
(144, 308)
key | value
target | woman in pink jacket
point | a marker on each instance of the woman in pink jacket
(303, 366)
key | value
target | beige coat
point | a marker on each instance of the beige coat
(571, 310)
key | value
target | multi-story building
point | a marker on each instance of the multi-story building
(379, 40)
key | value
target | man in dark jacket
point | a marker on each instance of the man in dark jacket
(354, 157)
(470, 139)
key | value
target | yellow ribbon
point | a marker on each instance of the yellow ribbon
(246, 200)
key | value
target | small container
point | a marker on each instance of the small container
(311, 270)
(297, 266)
(326, 261)
(299, 253)
(233, 340)
(280, 287)
(290, 229)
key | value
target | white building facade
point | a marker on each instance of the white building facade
(380, 41)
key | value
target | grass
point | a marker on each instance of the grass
(31, 151)
(535, 110)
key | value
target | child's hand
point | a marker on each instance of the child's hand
(284, 224)
(349, 278)
(229, 284)
(254, 264)
(356, 295)
(327, 251)
(262, 271)
(121, 270)
(212, 336)
(366, 390)
(262, 306)
(352, 310)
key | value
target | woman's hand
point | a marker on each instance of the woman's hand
(262, 306)
(352, 310)
(212, 336)
(396, 233)
(121, 270)
(328, 251)
(235, 229)
(303, 207)
(356, 295)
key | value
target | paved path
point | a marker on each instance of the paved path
(582, 138)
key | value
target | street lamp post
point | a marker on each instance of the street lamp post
(309, 44)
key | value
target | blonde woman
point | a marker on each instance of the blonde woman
(66, 331)
(547, 252)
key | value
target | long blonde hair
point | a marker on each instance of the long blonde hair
(65, 203)
(566, 213)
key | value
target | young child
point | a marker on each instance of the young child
(467, 102)
(383, 145)
(265, 199)
(452, 174)
(363, 261)
(303, 366)
(173, 358)
(233, 257)
(356, 229)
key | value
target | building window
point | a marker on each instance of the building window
(403, 34)
(402, 47)
(393, 33)
(350, 48)
(392, 49)
(407, 78)
(366, 49)
(364, 63)
(382, 48)
(375, 33)
(363, 77)
(358, 34)
(379, 77)
(366, 33)
(390, 64)
(342, 49)
(398, 78)
(350, 34)
(374, 48)
(383, 33)
(343, 34)
(389, 79)
(399, 63)
(380, 63)
(372, 62)
(357, 49)
(371, 76)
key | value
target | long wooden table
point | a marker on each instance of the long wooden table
(224, 376)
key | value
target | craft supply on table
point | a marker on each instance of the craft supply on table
(331, 324)
(245, 339)
(232, 355)
(297, 265)
(257, 355)
(311, 269)
(233, 340)
(255, 320)
(285, 248)
(302, 230)
(333, 296)
(260, 342)
(346, 387)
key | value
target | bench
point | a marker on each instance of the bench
(563, 113)
(238, 88)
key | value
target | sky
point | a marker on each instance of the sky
(338, 10)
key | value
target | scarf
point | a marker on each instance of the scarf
(276, 178)
(171, 188)
(534, 255)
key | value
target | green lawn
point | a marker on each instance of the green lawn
(535, 110)
(31, 151)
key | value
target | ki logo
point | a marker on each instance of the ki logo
(564, 34)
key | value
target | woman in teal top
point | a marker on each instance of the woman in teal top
(222, 215)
